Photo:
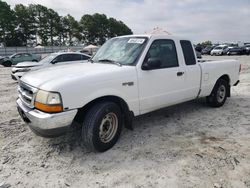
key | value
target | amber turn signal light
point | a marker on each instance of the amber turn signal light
(49, 108)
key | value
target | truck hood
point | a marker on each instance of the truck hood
(53, 78)
(28, 64)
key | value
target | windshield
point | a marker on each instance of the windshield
(124, 50)
(48, 58)
(13, 55)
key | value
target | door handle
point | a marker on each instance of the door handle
(180, 73)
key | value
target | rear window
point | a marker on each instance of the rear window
(188, 52)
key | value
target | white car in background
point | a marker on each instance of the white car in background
(52, 59)
(219, 50)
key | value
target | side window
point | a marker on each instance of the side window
(26, 55)
(76, 57)
(57, 59)
(71, 57)
(18, 56)
(165, 51)
(85, 57)
(188, 52)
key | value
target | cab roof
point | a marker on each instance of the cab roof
(153, 36)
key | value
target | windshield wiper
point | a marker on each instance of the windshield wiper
(110, 61)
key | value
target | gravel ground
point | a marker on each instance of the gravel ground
(187, 145)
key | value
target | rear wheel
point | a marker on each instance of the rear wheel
(34, 60)
(102, 126)
(7, 64)
(219, 94)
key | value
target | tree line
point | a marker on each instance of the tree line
(25, 25)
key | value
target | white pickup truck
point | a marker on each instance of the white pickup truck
(128, 76)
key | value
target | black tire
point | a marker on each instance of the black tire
(91, 128)
(216, 98)
(34, 60)
(7, 64)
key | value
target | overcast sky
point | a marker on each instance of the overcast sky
(199, 20)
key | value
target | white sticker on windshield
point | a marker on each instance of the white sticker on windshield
(136, 40)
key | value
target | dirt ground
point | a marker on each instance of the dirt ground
(188, 145)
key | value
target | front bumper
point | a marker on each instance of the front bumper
(45, 124)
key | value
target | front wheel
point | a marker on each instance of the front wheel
(102, 126)
(219, 94)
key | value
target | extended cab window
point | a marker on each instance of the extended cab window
(165, 51)
(188, 52)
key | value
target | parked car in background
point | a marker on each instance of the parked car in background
(52, 59)
(219, 50)
(234, 51)
(198, 48)
(207, 50)
(19, 57)
(198, 54)
(246, 49)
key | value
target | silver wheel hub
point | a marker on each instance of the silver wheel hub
(108, 127)
(221, 93)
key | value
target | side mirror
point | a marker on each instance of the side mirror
(152, 63)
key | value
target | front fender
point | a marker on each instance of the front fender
(82, 96)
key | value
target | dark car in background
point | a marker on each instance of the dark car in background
(198, 54)
(246, 49)
(234, 51)
(207, 50)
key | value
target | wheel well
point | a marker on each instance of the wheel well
(119, 101)
(8, 62)
(227, 79)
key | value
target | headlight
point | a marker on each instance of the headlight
(48, 101)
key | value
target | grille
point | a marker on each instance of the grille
(26, 94)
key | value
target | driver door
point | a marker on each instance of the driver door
(161, 86)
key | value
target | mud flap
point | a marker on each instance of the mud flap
(128, 120)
